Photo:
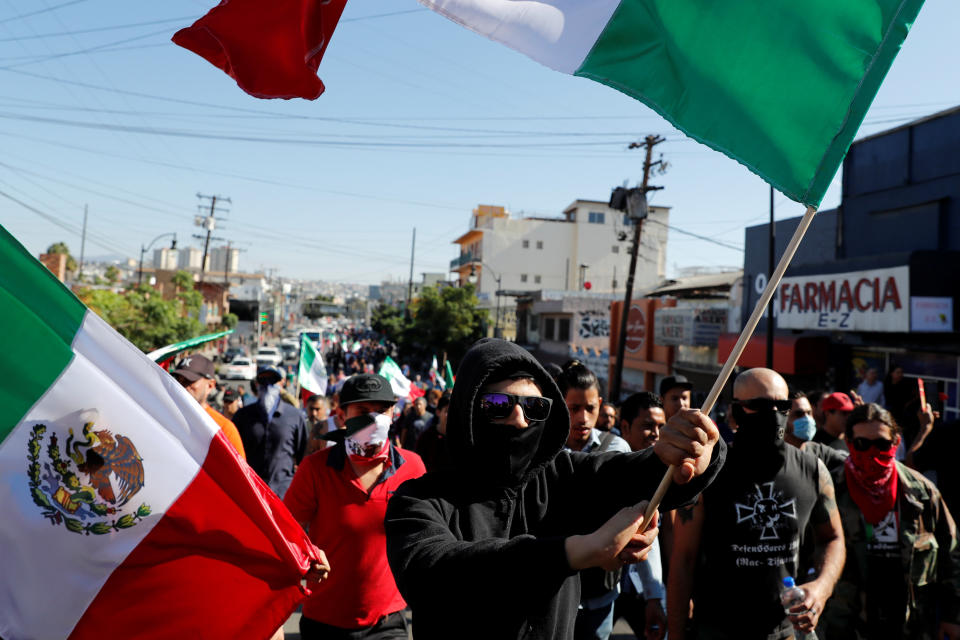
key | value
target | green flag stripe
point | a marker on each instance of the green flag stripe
(38, 321)
(782, 87)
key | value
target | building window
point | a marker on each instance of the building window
(627, 222)
(539, 244)
(596, 217)
(523, 277)
(563, 330)
(526, 244)
(548, 324)
(616, 248)
(536, 279)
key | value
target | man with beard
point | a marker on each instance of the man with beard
(274, 433)
(491, 547)
(901, 579)
(339, 495)
(734, 547)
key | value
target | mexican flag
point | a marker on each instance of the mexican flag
(312, 373)
(125, 509)
(448, 377)
(780, 86)
(398, 382)
(435, 378)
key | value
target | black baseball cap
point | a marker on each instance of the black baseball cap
(674, 381)
(192, 368)
(366, 387)
(230, 395)
(269, 374)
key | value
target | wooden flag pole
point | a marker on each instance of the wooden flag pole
(741, 344)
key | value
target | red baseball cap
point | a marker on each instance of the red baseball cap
(837, 401)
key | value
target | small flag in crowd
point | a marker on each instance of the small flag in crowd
(448, 377)
(312, 373)
(272, 51)
(780, 87)
(125, 509)
(398, 382)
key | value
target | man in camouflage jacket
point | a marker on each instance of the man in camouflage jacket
(930, 559)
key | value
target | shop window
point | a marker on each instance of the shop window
(563, 330)
(548, 326)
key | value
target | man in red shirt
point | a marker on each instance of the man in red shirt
(339, 495)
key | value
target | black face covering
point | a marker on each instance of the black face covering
(759, 435)
(504, 451)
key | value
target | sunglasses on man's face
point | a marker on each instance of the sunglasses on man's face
(761, 405)
(497, 406)
(880, 444)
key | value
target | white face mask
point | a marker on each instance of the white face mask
(369, 442)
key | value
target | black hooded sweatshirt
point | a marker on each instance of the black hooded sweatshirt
(480, 554)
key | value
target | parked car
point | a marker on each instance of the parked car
(269, 356)
(233, 352)
(240, 368)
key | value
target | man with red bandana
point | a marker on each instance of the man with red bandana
(339, 495)
(902, 577)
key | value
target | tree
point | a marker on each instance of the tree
(444, 320)
(112, 274)
(389, 322)
(61, 247)
(230, 320)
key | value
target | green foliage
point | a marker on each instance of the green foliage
(61, 247)
(445, 319)
(442, 320)
(144, 318)
(389, 322)
(323, 298)
(230, 320)
(112, 274)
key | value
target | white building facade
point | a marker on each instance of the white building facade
(587, 249)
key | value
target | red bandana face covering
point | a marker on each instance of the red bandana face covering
(872, 482)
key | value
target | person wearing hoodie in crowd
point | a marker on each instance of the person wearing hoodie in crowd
(491, 547)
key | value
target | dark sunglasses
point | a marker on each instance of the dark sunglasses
(498, 406)
(864, 444)
(761, 405)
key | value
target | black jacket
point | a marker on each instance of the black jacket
(474, 560)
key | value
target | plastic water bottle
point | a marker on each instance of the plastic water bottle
(791, 596)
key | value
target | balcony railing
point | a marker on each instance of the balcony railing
(462, 259)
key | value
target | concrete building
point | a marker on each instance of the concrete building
(189, 258)
(224, 259)
(587, 248)
(165, 258)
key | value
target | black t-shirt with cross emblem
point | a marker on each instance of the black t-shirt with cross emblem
(755, 514)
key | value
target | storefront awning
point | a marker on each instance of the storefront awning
(791, 354)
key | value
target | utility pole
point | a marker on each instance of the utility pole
(634, 201)
(770, 262)
(83, 244)
(208, 222)
(413, 246)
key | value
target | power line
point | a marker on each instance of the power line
(116, 27)
(697, 235)
(65, 54)
(39, 11)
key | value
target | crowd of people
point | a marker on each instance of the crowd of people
(512, 505)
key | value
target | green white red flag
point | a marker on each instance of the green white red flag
(312, 373)
(125, 509)
(780, 86)
(448, 377)
(400, 384)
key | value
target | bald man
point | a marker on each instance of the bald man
(744, 531)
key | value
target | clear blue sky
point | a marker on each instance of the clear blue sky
(422, 120)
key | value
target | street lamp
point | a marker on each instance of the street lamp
(473, 278)
(144, 249)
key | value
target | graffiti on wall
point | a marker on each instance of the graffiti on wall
(594, 324)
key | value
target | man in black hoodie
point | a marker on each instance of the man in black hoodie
(490, 547)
